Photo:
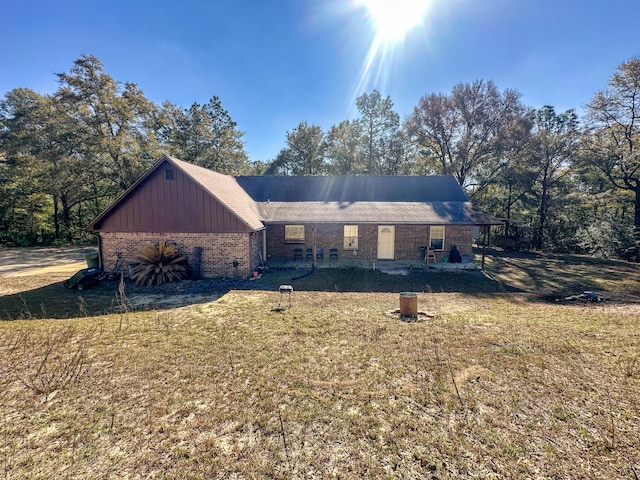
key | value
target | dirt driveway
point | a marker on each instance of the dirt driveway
(16, 262)
(31, 281)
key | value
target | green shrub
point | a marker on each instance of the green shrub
(159, 263)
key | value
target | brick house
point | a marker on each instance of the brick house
(228, 226)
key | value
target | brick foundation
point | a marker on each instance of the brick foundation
(211, 255)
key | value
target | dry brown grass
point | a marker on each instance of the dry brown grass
(548, 274)
(493, 386)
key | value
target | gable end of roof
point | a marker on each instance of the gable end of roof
(223, 188)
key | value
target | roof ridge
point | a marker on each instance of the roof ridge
(238, 201)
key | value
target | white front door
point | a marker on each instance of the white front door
(386, 242)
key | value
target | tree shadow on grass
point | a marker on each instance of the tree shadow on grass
(472, 282)
(541, 276)
(556, 276)
(58, 302)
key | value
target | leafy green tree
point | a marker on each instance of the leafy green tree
(24, 210)
(65, 156)
(378, 124)
(304, 153)
(604, 227)
(204, 135)
(508, 192)
(41, 143)
(613, 140)
(553, 146)
(115, 120)
(258, 167)
(80, 146)
(399, 155)
(344, 152)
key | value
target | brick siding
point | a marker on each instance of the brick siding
(215, 252)
(408, 240)
(461, 236)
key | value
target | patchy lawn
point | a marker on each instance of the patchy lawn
(491, 386)
(30, 294)
(549, 275)
(498, 381)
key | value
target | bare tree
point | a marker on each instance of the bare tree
(614, 132)
(462, 134)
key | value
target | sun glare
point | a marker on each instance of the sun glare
(388, 24)
(390, 21)
(393, 19)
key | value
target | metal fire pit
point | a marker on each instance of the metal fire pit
(409, 304)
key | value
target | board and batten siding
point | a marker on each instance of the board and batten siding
(179, 204)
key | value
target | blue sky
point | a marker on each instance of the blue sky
(277, 63)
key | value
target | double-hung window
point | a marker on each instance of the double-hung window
(351, 237)
(436, 238)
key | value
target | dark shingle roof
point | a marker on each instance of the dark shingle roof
(363, 199)
(225, 189)
(353, 189)
(332, 199)
(419, 213)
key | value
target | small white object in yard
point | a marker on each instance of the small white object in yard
(587, 296)
(285, 289)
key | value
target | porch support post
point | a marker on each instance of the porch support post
(313, 229)
(264, 246)
(484, 244)
(426, 250)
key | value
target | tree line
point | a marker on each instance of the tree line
(573, 184)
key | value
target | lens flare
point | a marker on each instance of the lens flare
(387, 25)
(393, 19)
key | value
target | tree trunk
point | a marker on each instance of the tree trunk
(542, 220)
(56, 219)
(543, 210)
(370, 159)
(66, 217)
(636, 218)
(508, 222)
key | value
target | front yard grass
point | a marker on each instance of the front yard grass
(494, 383)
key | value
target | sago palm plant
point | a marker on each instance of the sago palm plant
(159, 263)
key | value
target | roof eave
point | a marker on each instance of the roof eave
(231, 210)
(380, 222)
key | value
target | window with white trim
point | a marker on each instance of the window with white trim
(294, 233)
(436, 238)
(351, 237)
